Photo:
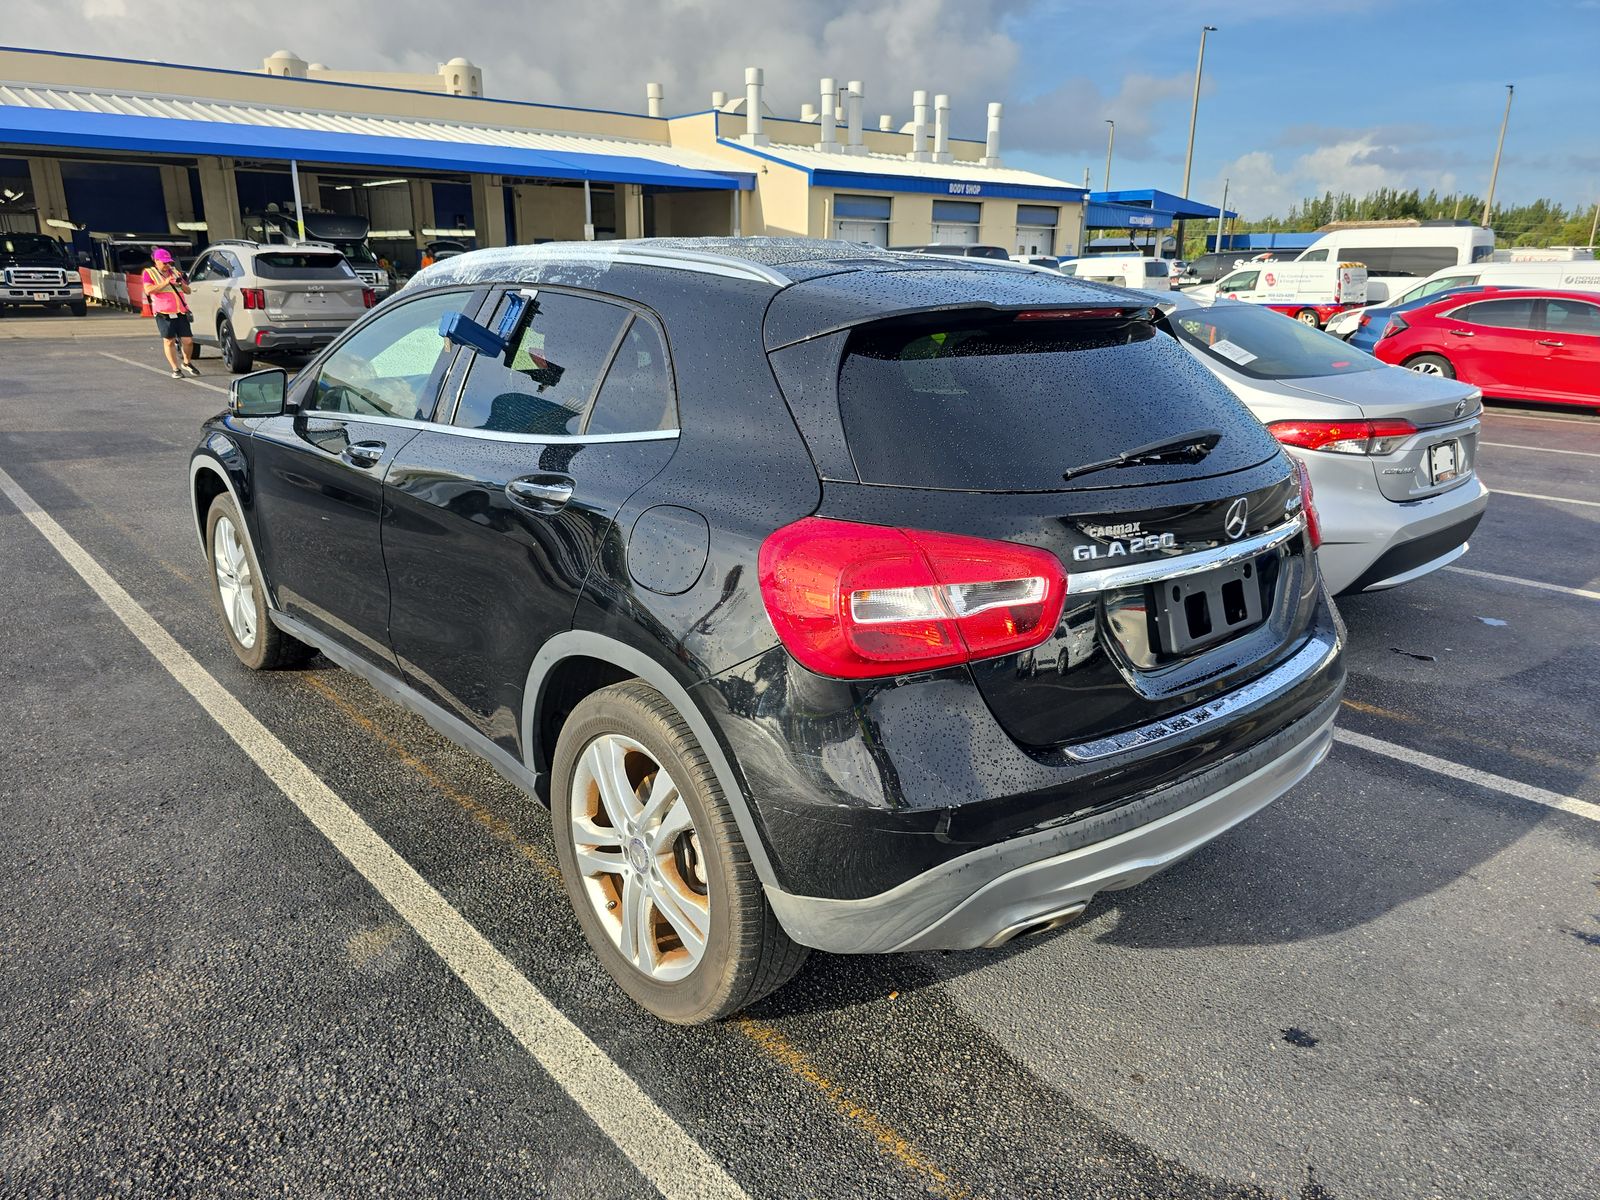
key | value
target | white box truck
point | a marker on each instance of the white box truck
(1310, 292)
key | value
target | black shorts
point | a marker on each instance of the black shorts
(173, 325)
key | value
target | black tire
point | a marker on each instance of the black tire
(271, 649)
(1308, 316)
(747, 954)
(1430, 364)
(80, 308)
(235, 357)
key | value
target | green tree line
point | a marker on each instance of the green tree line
(1539, 223)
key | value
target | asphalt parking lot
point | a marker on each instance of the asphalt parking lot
(1385, 985)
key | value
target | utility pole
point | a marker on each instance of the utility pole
(1111, 140)
(1222, 212)
(1594, 225)
(1194, 109)
(1494, 172)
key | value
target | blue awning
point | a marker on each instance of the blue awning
(1101, 215)
(165, 135)
(1178, 206)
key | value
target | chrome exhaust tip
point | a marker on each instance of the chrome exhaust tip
(1037, 925)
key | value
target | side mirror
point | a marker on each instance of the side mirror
(259, 394)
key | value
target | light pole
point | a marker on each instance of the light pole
(1194, 109)
(1111, 140)
(1494, 172)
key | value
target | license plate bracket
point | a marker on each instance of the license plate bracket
(1444, 461)
(1199, 610)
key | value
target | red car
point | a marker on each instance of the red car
(1535, 345)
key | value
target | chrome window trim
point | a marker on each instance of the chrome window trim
(534, 439)
(1178, 566)
(1311, 657)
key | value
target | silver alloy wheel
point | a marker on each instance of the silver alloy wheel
(235, 585)
(1428, 368)
(638, 852)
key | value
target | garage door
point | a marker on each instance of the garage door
(1036, 228)
(955, 222)
(861, 219)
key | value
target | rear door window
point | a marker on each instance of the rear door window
(636, 396)
(1572, 316)
(546, 382)
(975, 402)
(1504, 314)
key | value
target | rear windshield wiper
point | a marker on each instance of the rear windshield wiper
(1189, 447)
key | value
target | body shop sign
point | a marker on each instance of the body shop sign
(966, 189)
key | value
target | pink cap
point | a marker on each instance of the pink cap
(161, 254)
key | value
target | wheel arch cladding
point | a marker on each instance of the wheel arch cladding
(598, 656)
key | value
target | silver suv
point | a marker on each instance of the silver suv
(249, 298)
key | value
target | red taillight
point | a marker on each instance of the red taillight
(253, 297)
(1396, 325)
(1366, 319)
(861, 601)
(1343, 437)
(1308, 504)
(369, 297)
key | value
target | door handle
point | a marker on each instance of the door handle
(541, 493)
(1548, 342)
(1460, 332)
(363, 454)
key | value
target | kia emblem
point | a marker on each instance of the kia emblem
(1237, 519)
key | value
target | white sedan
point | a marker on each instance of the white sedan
(1391, 453)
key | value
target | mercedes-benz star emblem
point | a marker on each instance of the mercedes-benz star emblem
(1237, 519)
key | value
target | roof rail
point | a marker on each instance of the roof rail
(234, 242)
(670, 257)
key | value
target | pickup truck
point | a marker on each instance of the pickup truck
(37, 270)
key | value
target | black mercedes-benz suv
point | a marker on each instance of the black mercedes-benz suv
(829, 597)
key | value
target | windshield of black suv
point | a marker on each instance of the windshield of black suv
(1000, 403)
(31, 245)
(302, 264)
(358, 252)
(1265, 344)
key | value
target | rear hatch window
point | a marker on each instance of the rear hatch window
(1264, 344)
(991, 402)
(301, 265)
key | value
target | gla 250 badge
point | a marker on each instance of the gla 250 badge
(1123, 541)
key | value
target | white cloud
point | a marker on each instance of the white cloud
(573, 54)
(1258, 186)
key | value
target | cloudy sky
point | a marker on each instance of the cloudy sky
(1298, 97)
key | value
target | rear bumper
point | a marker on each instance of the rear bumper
(295, 339)
(989, 895)
(1371, 542)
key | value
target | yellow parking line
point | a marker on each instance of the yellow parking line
(763, 1036)
(498, 827)
(1533, 756)
(782, 1050)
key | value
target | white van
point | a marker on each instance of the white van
(1310, 292)
(1398, 257)
(1575, 275)
(1123, 270)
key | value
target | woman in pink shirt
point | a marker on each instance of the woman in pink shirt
(165, 287)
